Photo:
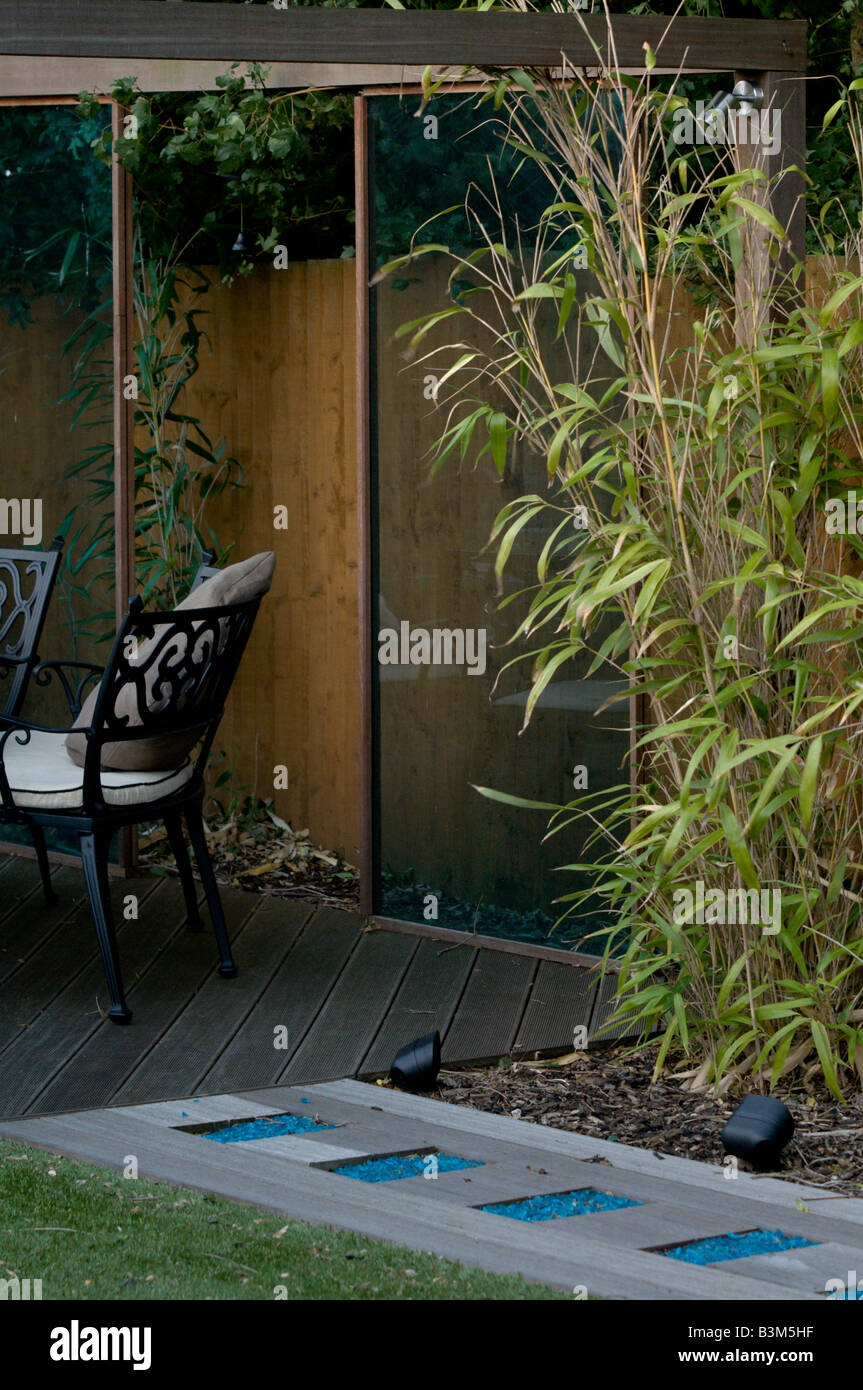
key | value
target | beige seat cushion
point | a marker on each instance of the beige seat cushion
(237, 584)
(43, 777)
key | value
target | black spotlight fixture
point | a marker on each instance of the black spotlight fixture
(758, 1131)
(415, 1067)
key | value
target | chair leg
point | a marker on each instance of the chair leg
(37, 835)
(94, 852)
(176, 839)
(195, 822)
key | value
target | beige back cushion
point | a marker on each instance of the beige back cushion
(246, 580)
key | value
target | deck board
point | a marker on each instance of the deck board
(51, 1045)
(491, 1008)
(349, 997)
(25, 921)
(601, 1252)
(157, 998)
(62, 970)
(603, 1008)
(426, 1000)
(292, 1001)
(561, 999)
(191, 1046)
(345, 1027)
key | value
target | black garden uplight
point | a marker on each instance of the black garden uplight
(416, 1066)
(758, 1131)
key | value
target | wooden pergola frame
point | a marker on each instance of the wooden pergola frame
(348, 38)
(57, 48)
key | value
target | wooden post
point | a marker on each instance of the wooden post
(124, 502)
(124, 420)
(366, 644)
(784, 193)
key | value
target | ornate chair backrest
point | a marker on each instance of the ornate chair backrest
(168, 677)
(27, 579)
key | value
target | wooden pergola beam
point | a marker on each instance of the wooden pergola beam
(261, 33)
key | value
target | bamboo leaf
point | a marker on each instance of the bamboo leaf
(809, 779)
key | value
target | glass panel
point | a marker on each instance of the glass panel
(444, 728)
(56, 384)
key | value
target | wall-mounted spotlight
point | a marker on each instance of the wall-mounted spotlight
(745, 97)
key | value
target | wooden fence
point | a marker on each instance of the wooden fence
(280, 386)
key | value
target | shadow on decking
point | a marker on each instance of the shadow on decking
(320, 995)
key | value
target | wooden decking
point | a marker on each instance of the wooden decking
(320, 995)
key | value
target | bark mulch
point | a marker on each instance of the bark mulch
(610, 1094)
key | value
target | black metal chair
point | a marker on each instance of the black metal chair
(74, 677)
(167, 677)
(27, 579)
(73, 686)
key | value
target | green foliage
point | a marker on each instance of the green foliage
(279, 164)
(176, 472)
(89, 562)
(46, 165)
(438, 171)
(180, 469)
(55, 241)
(689, 549)
(835, 57)
(204, 166)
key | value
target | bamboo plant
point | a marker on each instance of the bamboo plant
(691, 489)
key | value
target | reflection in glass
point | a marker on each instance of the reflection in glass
(56, 384)
(445, 854)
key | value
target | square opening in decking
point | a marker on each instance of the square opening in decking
(256, 1127)
(392, 1167)
(733, 1245)
(582, 1201)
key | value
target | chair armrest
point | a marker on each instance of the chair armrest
(10, 722)
(73, 688)
(10, 726)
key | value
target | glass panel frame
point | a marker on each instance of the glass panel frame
(390, 812)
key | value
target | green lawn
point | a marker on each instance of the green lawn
(89, 1233)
